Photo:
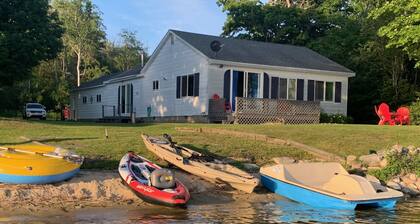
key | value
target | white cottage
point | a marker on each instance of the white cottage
(183, 73)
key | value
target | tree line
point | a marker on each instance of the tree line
(47, 48)
(378, 39)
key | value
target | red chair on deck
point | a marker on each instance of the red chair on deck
(402, 116)
(385, 116)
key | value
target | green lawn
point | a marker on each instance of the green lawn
(89, 139)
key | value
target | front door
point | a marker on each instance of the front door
(244, 84)
(125, 99)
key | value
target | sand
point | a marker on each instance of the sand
(105, 189)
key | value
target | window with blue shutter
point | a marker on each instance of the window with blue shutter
(196, 84)
(226, 85)
(266, 84)
(300, 89)
(178, 87)
(274, 87)
(311, 90)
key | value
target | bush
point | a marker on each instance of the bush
(415, 112)
(398, 164)
(335, 118)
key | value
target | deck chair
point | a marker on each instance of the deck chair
(385, 116)
(402, 116)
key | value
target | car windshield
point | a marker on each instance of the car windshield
(34, 106)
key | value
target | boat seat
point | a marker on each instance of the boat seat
(348, 185)
(320, 173)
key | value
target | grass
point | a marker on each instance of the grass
(89, 139)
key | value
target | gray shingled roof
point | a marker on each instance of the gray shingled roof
(104, 78)
(262, 53)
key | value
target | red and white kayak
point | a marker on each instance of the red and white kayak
(152, 183)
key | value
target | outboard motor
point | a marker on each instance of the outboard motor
(162, 179)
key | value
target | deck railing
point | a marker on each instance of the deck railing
(259, 111)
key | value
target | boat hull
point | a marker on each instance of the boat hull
(320, 200)
(41, 179)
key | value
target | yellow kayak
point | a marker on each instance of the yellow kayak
(37, 164)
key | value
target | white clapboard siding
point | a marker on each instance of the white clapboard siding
(174, 58)
(216, 79)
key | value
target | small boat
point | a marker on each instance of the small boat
(200, 165)
(326, 185)
(37, 164)
(152, 183)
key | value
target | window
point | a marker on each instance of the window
(98, 98)
(319, 91)
(292, 89)
(329, 91)
(278, 88)
(84, 100)
(283, 89)
(300, 89)
(91, 99)
(184, 88)
(253, 84)
(155, 85)
(190, 85)
(187, 85)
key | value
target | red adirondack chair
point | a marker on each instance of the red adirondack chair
(384, 114)
(402, 116)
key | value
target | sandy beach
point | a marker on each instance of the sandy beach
(105, 189)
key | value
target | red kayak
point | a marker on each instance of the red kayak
(152, 183)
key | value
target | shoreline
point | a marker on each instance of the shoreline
(103, 189)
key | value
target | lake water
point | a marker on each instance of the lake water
(275, 211)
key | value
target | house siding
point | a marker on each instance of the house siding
(109, 95)
(174, 59)
(216, 73)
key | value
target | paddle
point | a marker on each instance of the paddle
(73, 158)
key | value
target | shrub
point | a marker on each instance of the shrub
(415, 112)
(335, 118)
(398, 163)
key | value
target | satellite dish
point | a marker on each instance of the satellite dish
(216, 46)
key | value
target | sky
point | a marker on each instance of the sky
(151, 19)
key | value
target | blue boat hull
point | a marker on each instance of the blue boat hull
(18, 179)
(317, 199)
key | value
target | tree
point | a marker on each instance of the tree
(83, 35)
(402, 26)
(29, 33)
(130, 52)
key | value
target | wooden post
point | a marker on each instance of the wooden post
(106, 133)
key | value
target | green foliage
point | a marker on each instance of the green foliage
(398, 163)
(335, 119)
(415, 112)
(29, 33)
(84, 35)
(401, 28)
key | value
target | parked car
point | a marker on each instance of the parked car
(34, 110)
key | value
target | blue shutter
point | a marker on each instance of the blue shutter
(311, 90)
(266, 86)
(338, 92)
(131, 103)
(119, 100)
(196, 84)
(300, 87)
(274, 87)
(178, 87)
(226, 86)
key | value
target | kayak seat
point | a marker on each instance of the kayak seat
(137, 173)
